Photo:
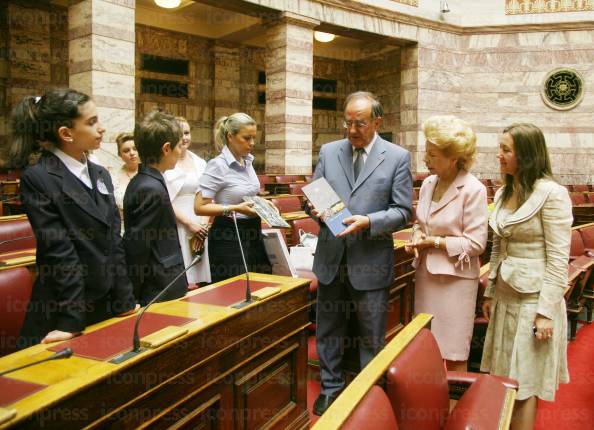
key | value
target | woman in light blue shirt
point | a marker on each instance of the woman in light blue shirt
(226, 180)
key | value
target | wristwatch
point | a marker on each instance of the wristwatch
(226, 210)
(436, 241)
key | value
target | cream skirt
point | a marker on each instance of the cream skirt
(512, 350)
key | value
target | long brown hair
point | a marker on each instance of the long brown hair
(532, 159)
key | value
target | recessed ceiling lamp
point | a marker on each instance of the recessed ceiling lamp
(168, 4)
(320, 36)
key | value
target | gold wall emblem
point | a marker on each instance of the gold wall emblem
(563, 89)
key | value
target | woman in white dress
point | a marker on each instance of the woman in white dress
(182, 183)
(121, 177)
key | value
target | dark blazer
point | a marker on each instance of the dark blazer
(151, 242)
(383, 192)
(80, 258)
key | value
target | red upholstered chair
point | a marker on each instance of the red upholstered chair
(295, 189)
(287, 204)
(374, 411)
(587, 234)
(307, 225)
(581, 188)
(10, 176)
(15, 293)
(417, 386)
(289, 178)
(577, 198)
(16, 235)
(265, 179)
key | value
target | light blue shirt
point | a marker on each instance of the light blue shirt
(226, 181)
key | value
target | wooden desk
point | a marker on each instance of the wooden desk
(9, 260)
(233, 369)
(291, 216)
(583, 214)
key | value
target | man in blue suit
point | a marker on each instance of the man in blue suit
(373, 178)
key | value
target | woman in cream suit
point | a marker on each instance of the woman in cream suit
(449, 236)
(527, 335)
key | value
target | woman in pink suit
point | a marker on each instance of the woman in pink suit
(449, 235)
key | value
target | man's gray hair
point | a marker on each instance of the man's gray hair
(376, 107)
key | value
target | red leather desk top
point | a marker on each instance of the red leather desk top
(228, 294)
(111, 340)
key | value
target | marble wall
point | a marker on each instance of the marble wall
(493, 80)
(33, 56)
(502, 79)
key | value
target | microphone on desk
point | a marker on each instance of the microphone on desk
(136, 349)
(248, 291)
(64, 353)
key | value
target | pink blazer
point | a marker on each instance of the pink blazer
(461, 216)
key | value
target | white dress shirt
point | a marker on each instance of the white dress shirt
(366, 149)
(78, 169)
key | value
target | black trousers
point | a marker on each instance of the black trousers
(334, 304)
(223, 248)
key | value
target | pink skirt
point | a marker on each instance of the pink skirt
(452, 301)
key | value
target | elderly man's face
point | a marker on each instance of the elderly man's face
(360, 127)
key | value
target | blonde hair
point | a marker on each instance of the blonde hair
(230, 125)
(453, 137)
(123, 138)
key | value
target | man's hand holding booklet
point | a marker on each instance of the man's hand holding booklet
(328, 204)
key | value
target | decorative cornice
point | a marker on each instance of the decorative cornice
(378, 12)
(526, 7)
(293, 18)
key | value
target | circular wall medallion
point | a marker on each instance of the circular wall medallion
(563, 89)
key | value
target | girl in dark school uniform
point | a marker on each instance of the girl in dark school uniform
(70, 203)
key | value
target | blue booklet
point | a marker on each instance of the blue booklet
(328, 204)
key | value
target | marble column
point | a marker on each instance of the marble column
(289, 95)
(410, 130)
(226, 79)
(101, 48)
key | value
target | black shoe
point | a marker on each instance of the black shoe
(322, 403)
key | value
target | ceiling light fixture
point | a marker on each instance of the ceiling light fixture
(320, 36)
(444, 6)
(168, 4)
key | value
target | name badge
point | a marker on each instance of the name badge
(101, 187)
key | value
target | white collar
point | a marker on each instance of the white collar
(230, 158)
(368, 147)
(77, 168)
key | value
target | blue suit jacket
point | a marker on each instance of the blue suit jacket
(383, 192)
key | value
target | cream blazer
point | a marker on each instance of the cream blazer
(531, 245)
(461, 217)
